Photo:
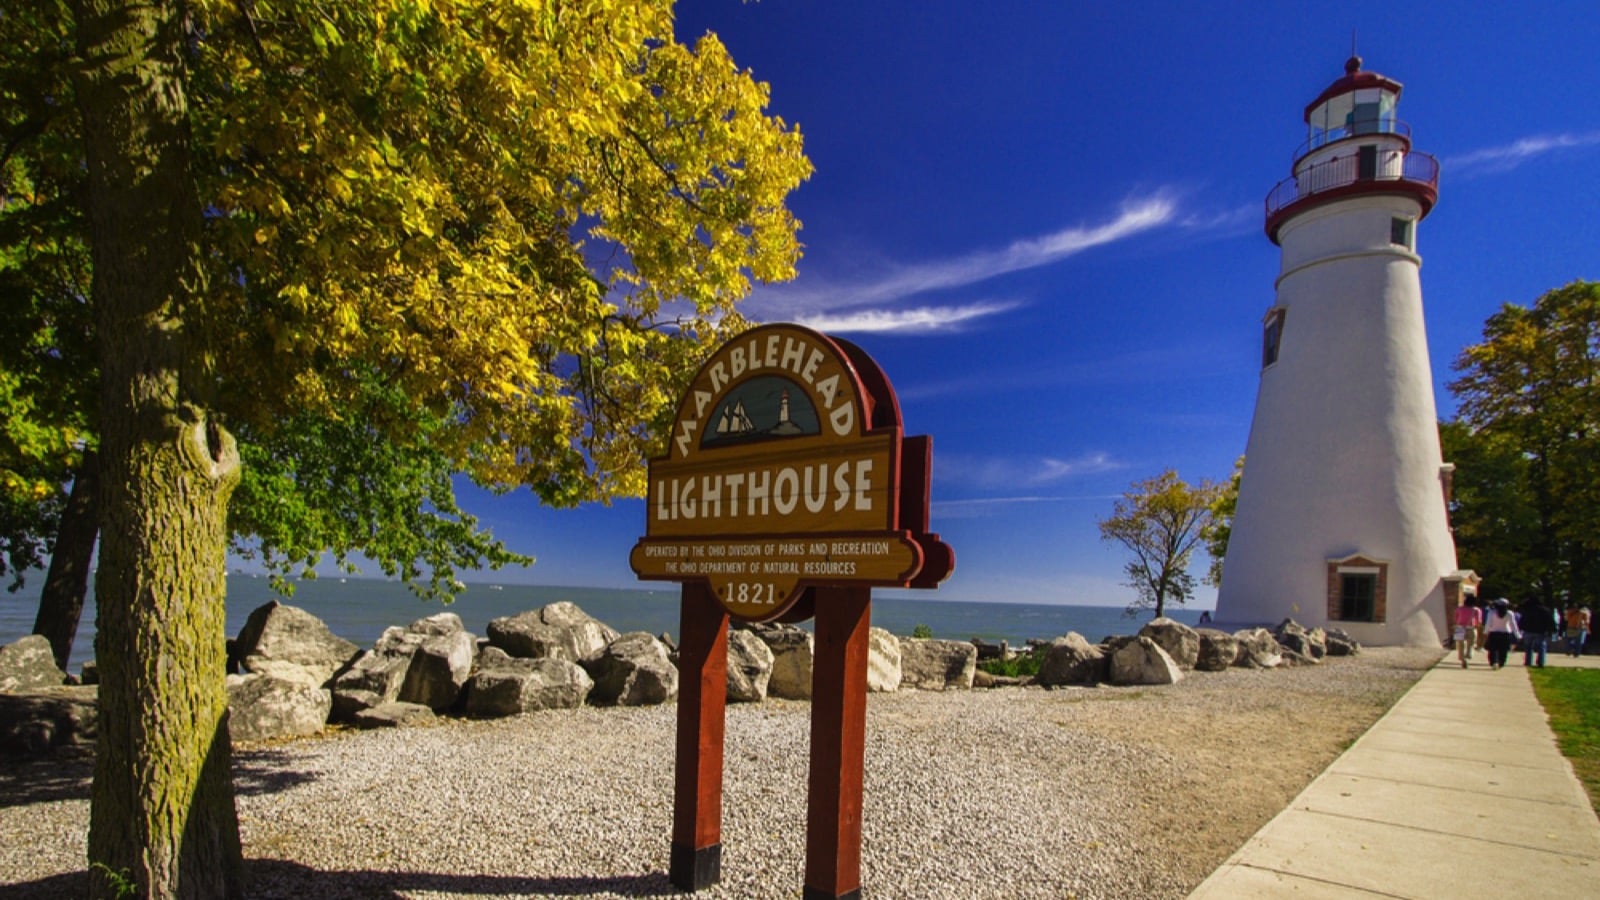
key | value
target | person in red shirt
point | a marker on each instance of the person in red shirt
(1469, 618)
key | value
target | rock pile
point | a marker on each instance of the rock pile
(1164, 649)
(291, 676)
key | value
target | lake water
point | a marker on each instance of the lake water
(359, 609)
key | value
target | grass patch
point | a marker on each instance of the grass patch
(1571, 697)
(1023, 665)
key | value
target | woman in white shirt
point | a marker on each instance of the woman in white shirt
(1500, 632)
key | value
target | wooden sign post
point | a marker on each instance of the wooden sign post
(788, 490)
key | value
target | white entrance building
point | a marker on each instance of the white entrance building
(1341, 520)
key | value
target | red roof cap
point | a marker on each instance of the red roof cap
(1354, 79)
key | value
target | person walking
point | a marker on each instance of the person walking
(1577, 630)
(1537, 622)
(1499, 632)
(1469, 619)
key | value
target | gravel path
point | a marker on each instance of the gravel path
(1088, 793)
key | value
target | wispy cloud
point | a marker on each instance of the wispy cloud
(921, 320)
(1509, 156)
(1011, 473)
(989, 506)
(1237, 220)
(869, 304)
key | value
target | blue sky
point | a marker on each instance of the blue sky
(1044, 221)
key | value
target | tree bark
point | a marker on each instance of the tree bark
(67, 582)
(162, 815)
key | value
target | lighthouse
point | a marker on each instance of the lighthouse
(1341, 518)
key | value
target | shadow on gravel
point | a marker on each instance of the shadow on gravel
(276, 879)
(266, 772)
(71, 884)
(67, 774)
(64, 775)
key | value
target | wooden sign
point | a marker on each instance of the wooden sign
(786, 470)
(788, 490)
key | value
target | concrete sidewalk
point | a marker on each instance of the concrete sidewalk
(1458, 789)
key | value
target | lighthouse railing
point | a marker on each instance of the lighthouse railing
(1322, 138)
(1344, 171)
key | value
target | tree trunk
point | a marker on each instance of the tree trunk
(162, 815)
(61, 600)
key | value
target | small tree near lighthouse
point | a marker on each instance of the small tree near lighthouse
(1160, 520)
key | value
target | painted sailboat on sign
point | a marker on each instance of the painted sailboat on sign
(760, 409)
(734, 420)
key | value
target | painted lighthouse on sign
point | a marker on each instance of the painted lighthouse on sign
(1341, 518)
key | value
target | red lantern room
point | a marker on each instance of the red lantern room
(1355, 145)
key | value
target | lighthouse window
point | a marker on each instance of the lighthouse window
(1365, 118)
(1357, 593)
(1400, 233)
(1358, 589)
(1271, 338)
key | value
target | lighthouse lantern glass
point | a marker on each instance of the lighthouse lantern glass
(1363, 111)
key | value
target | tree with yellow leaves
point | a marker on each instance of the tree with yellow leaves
(518, 225)
(1160, 521)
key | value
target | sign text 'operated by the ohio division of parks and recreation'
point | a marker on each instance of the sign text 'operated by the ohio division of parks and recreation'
(787, 467)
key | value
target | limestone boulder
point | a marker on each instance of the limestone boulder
(1143, 661)
(439, 668)
(1293, 658)
(375, 677)
(792, 657)
(507, 686)
(398, 714)
(290, 644)
(28, 664)
(984, 680)
(263, 707)
(1258, 649)
(437, 625)
(633, 670)
(1308, 642)
(930, 664)
(1178, 639)
(883, 661)
(414, 664)
(1071, 659)
(988, 650)
(1218, 650)
(749, 667)
(1340, 643)
(1317, 641)
(559, 631)
(43, 720)
(1111, 643)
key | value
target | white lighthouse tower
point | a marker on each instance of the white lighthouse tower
(1341, 519)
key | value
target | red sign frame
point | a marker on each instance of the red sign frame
(788, 490)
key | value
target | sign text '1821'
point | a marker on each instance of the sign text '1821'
(753, 593)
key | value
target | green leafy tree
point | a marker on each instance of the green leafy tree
(1532, 388)
(335, 484)
(1492, 515)
(47, 385)
(495, 236)
(1219, 528)
(1160, 521)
